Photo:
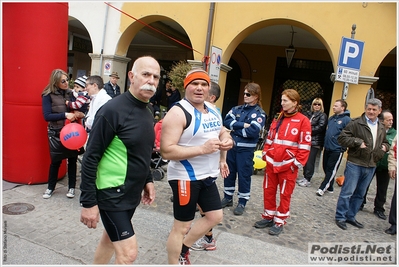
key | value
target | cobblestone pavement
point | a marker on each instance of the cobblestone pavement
(312, 217)
(52, 233)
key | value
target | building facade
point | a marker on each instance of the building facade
(253, 37)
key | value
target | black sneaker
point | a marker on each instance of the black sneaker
(227, 202)
(239, 210)
(263, 223)
(276, 229)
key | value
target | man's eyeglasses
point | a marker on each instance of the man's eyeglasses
(64, 81)
(247, 94)
(316, 104)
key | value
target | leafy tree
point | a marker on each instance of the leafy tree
(177, 74)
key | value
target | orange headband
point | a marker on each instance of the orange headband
(197, 75)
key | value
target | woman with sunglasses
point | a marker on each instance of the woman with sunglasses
(55, 112)
(245, 122)
(318, 121)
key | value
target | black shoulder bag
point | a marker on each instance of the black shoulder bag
(57, 150)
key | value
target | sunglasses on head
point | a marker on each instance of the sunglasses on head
(247, 94)
(316, 104)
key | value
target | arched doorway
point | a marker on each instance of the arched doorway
(386, 86)
(79, 47)
(309, 77)
(165, 40)
(261, 56)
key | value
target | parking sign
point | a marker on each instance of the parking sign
(350, 60)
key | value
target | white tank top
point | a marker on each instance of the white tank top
(202, 128)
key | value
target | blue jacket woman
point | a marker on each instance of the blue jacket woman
(245, 123)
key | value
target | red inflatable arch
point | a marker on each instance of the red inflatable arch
(35, 41)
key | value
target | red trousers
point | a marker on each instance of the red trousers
(286, 182)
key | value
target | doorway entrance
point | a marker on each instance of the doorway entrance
(309, 77)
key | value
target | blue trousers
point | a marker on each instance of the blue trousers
(357, 179)
(240, 161)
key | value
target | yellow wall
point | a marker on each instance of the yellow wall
(234, 21)
(328, 21)
(186, 14)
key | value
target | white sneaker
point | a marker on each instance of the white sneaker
(300, 180)
(202, 244)
(319, 192)
(71, 193)
(304, 183)
(48, 193)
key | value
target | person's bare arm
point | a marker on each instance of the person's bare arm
(172, 128)
(225, 144)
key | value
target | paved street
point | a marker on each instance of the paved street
(52, 234)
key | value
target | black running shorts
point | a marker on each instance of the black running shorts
(186, 195)
(118, 224)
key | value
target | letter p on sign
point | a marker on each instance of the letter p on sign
(351, 51)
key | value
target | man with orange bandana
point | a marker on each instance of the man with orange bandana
(194, 140)
(286, 149)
